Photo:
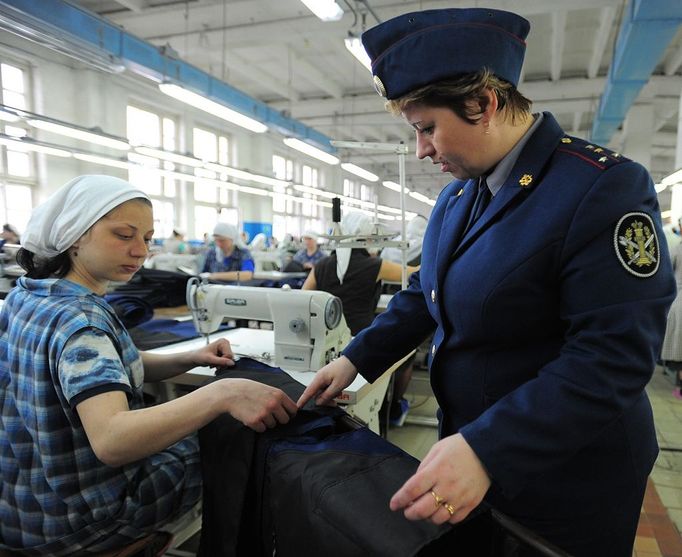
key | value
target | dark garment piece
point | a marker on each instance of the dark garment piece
(156, 287)
(320, 485)
(131, 310)
(360, 290)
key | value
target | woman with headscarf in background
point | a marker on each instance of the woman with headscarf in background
(310, 253)
(353, 275)
(84, 466)
(229, 260)
(9, 235)
(414, 232)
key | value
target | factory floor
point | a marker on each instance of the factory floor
(661, 519)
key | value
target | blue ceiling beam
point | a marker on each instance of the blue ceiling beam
(647, 28)
(63, 26)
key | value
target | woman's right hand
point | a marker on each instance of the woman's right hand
(329, 382)
(254, 404)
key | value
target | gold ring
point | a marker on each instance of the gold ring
(439, 500)
(448, 507)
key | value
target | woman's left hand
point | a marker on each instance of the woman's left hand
(217, 354)
(449, 483)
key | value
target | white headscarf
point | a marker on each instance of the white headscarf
(56, 224)
(414, 231)
(258, 242)
(227, 230)
(356, 224)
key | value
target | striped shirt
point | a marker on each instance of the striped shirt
(59, 345)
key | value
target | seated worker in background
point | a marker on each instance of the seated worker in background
(353, 275)
(9, 235)
(84, 466)
(259, 242)
(310, 253)
(175, 244)
(228, 261)
(414, 231)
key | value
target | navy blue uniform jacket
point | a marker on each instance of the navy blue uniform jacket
(544, 339)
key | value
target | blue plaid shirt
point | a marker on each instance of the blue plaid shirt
(56, 497)
(303, 257)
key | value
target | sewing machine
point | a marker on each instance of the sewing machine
(309, 327)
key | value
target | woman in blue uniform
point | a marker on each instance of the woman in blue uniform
(545, 284)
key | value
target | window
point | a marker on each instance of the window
(289, 216)
(17, 167)
(154, 130)
(212, 202)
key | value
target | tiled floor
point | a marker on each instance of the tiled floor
(658, 534)
(661, 520)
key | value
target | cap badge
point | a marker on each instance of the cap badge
(636, 244)
(379, 86)
(565, 140)
(525, 180)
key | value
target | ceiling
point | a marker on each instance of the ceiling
(277, 51)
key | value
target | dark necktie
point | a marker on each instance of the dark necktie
(480, 203)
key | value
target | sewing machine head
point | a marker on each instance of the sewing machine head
(309, 326)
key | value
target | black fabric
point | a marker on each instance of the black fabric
(320, 485)
(131, 310)
(156, 287)
(360, 290)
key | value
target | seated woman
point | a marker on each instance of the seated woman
(353, 275)
(229, 261)
(310, 253)
(84, 466)
(414, 232)
(9, 235)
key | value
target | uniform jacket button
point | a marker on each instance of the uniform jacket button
(433, 296)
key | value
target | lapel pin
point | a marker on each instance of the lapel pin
(525, 180)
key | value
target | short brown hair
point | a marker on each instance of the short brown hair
(457, 94)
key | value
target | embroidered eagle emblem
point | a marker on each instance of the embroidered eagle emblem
(637, 245)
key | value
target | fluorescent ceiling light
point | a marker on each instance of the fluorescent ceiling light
(104, 161)
(358, 171)
(79, 133)
(326, 10)
(354, 46)
(421, 197)
(311, 151)
(244, 175)
(212, 107)
(8, 116)
(666, 214)
(22, 145)
(674, 178)
(393, 186)
(169, 156)
(659, 187)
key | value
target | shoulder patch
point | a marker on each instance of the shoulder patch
(598, 156)
(636, 244)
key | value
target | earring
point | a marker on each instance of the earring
(486, 128)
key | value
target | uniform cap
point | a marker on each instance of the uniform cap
(419, 48)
